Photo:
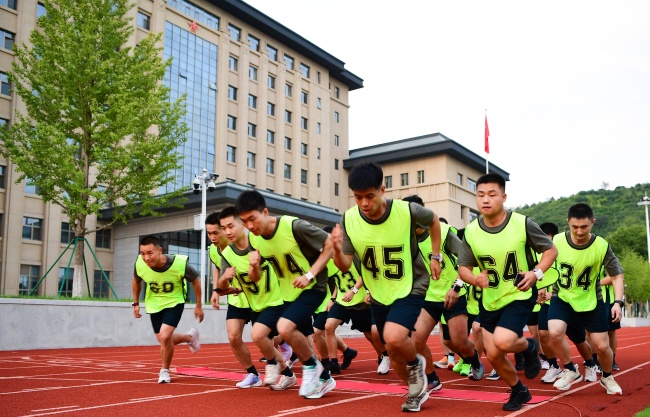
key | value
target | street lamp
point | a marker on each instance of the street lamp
(201, 184)
(645, 201)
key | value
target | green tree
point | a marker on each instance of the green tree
(637, 276)
(631, 237)
(100, 127)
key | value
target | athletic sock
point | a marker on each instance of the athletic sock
(606, 374)
(543, 357)
(347, 351)
(293, 356)
(451, 356)
(287, 372)
(325, 375)
(413, 362)
(589, 363)
(570, 366)
(474, 360)
(334, 361)
(518, 387)
(310, 362)
(384, 353)
(553, 362)
(432, 377)
(530, 348)
(272, 361)
(252, 370)
(326, 362)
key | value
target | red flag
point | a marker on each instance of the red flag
(487, 135)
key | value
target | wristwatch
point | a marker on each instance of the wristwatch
(458, 285)
(309, 276)
(437, 257)
(354, 290)
(539, 274)
(620, 302)
(135, 303)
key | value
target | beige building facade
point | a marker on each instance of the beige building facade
(266, 108)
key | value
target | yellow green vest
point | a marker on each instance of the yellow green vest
(344, 283)
(580, 269)
(502, 255)
(385, 251)
(233, 300)
(448, 273)
(474, 295)
(284, 254)
(166, 289)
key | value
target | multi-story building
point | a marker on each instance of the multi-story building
(441, 171)
(266, 108)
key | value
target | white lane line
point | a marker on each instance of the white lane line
(56, 408)
(316, 407)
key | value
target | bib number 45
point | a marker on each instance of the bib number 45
(391, 261)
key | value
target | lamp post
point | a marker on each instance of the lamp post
(645, 201)
(201, 184)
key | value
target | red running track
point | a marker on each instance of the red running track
(123, 382)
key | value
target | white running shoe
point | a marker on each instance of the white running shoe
(551, 375)
(271, 374)
(286, 351)
(285, 382)
(611, 386)
(545, 364)
(591, 374)
(384, 365)
(310, 379)
(250, 380)
(163, 377)
(323, 388)
(194, 343)
(290, 362)
(417, 378)
(566, 379)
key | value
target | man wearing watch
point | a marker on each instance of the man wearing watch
(579, 303)
(164, 276)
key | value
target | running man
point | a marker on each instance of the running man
(165, 298)
(382, 234)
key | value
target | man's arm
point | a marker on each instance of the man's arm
(434, 232)
(136, 287)
(318, 266)
(619, 292)
(198, 311)
(342, 261)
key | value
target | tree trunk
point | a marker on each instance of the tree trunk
(78, 259)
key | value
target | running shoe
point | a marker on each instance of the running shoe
(163, 377)
(194, 344)
(271, 374)
(434, 385)
(611, 386)
(458, 366)
(285, 382)
(413, 403)
(591, 373)
(324, 386)
(442, 363)
(250, 380)
(384, 365)
(335, 368)
(476, 374)
(517, 399)
(466, 369)
(417, 378)
(347, 359)
(310, 379)
(566, 379)
(615, 367)
(532, 365)
(551, 375)
(493, 376)
(285, 350)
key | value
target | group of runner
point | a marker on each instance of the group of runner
(394, 270)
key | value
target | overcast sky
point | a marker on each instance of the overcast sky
(566, 84)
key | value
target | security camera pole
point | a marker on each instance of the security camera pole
(645, 201)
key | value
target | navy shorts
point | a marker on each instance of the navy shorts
(513, 316)
(542, 318)
(269, 317)
(361, 318)
(302, 308)
(319, 320)
(595, 321)
(170, 316)
(404, 311)
(239, 313)
(533, 319)
(436, 309)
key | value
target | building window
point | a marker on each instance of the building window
(304, 123)
(336, 140)
(252, 101)
(271, 82)
(235, 32)
(270, 166)
(336, 189)
(31, 188)
(318, 180)
(232, 122)
(404, 179)
(32, 228)
(287, 116)
(252, 130)
(287, 171)
(3, 169)
(336, 117)
(11, 4)
(144, 20)
(318, 103)
(252, 73)
(472, 215)
(270, 109)
(336, 92)
(318, 77)
(471, 185)
(388, 181)
(460, 179)
(231, 153)
(250, 160)
(421, 177)
(287, 143)
(100, 284)
(103, 239)
(318, 128)
(232, 93)
(336, 164)
(288, 90)
(270, 137)
(273, 53)
(196, 12)
(303, 149)
(304, 97)
(304, 69)
(317, 153)
(67, 234)
(4, 123)
(232, 63)
(5, 86)
(254, 43)
(29, 276)
(67, 275)
(7, 39)
(40, 9)
(303, 176)
(288, 61)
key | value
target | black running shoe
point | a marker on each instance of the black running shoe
(519, 361)
(335, 368)
(347, 359)
(517, 399)
(532, 365)
(615, 367)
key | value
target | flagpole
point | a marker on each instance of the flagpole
(487, 146)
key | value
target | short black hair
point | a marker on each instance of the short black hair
(213, 218)
(414, 199)
(250, 200)
(443, 220)
(150, 240)
(492, 178)
(549, 228)
(580, 211)
(365, 175)
(229, 211)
